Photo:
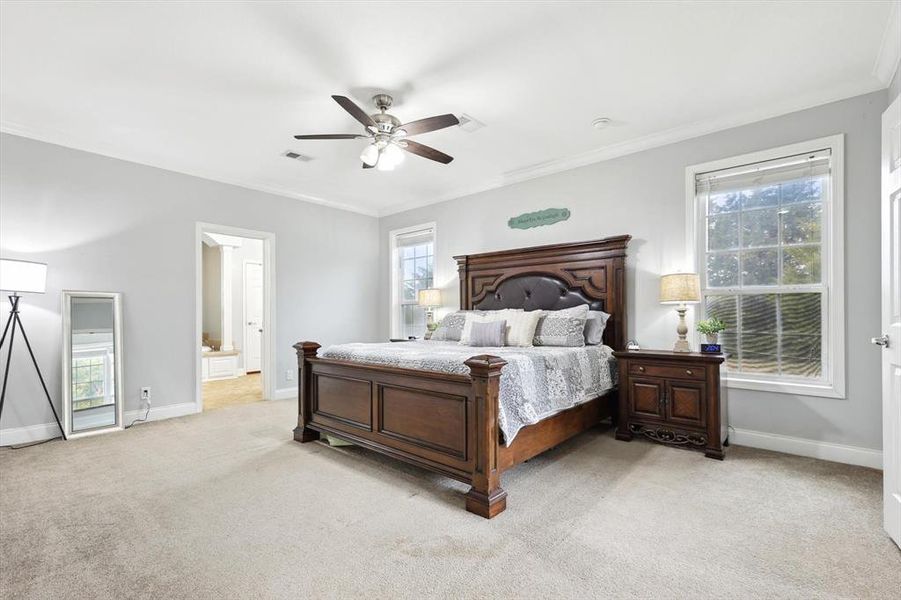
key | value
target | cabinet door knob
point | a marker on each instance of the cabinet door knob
(688, 371)
(641, 369)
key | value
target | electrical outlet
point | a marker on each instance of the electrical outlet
(289, 375)
(145, 395)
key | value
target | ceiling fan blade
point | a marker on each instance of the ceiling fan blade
(355, 111)
(429, 124)
(426, 152)
(330, 136)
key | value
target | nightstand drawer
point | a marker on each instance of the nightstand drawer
(668, 371)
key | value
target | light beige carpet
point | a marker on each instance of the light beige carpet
(226, 505)
(229, 392)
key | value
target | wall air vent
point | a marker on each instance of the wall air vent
(295, 156)
(469, 124)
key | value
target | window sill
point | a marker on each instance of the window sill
(820, 390)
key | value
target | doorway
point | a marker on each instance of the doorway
(235, 309)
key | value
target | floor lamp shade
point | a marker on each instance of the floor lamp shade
(23, 276)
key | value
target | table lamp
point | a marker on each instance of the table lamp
(22, 277)
(680, 289)
(430, 298)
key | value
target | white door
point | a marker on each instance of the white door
(890, 340)
(253, 316)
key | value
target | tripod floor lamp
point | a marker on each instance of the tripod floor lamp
(21, 277)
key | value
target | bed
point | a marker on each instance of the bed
(420, 402)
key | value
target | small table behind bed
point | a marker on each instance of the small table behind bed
(449, 423)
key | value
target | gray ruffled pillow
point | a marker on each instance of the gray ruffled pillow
(594, 327)
(487, 334)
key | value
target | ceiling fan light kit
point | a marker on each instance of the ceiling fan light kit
(387, 135)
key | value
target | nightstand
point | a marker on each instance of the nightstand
(672, 398)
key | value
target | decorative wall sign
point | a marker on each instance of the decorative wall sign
(548, 216)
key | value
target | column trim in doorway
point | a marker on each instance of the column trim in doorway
(268, 361)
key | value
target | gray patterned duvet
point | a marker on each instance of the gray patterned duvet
(536, 383)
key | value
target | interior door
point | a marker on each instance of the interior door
(253, 316)
(890, 340)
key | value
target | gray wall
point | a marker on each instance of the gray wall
(110, 225)
(894, 88)
(643, 194)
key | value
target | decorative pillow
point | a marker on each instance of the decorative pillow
(451, 327)
(479, 317)
(562, 327)
(488, 334)
(521, 327)
(594, 327)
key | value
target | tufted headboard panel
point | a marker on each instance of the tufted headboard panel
(550, 278)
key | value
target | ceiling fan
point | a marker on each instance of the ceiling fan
(388, 137)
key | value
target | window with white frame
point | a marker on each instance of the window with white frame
(413, 260)
(768, 232)
(93, 377)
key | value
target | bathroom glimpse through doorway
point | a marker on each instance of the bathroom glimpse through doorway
(235, 311)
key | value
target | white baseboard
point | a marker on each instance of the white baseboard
(166, 411)
(14, 436)
(852, 455)
(286, 393)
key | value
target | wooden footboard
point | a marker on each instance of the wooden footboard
(446, 423)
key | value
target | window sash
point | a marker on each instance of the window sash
(401, 306)
(759, 175)
(825, 374)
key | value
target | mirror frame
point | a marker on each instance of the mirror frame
(67, 297)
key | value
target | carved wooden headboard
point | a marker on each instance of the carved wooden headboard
(550, 278)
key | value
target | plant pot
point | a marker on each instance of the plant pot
(713, 338)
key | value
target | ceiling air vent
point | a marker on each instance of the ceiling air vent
(295, 156)
(469, 124)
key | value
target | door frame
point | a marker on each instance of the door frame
(268, 358)
(245, 262)
(891, 352)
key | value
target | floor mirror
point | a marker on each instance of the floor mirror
(92, 363)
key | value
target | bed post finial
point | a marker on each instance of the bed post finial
(305, 350)
(486, 498)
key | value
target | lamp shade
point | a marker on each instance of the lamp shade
(23, 276)
(430, 297)
(680, 288)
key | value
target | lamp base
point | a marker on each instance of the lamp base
(681, 346)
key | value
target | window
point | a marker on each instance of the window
(413, 260)
(768, 233)
(92, 379)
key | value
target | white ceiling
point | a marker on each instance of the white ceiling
(218, 90)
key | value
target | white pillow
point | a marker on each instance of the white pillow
(521, 327)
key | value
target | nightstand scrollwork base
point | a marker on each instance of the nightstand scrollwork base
(669, 436)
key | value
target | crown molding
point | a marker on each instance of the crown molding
(890, 49)
(68, 141)
(648, 142)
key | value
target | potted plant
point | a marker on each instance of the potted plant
(711, 328)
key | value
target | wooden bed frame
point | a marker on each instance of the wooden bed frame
(449, 423)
